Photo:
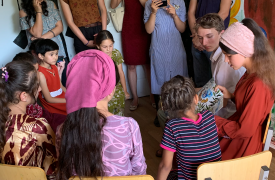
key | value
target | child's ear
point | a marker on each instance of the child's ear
(23, 96)
(196, 99)
(40, 56)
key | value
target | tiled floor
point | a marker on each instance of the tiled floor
(151, 135)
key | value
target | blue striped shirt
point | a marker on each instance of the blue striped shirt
(195, 142)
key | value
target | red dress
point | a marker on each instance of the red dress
(241, 134)
(54, 86)
(135, 39)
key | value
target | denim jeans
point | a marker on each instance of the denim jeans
(202, 67)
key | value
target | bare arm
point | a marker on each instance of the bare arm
(69, 18)
(191, 15)
(179, 24)
(46, 92)
(142, 2)
(165, 165)
(224, 8)
(56, 30)
(103, 11)
(115, 3)
(150, 24)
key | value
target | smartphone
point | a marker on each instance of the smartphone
(164, 3)
(60, 59)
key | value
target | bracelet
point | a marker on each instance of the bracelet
(153, 13)
(87, 43)
(52, 32)
(38, 12)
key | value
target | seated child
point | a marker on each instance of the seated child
(24, 140)
(105, 43)
(34, 110)
(52, 96)
(209, 29)
(192, 136)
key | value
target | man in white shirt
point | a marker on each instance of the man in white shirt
(209, 29)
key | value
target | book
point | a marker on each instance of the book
(209, 99)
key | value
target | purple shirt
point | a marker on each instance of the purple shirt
(210, 6)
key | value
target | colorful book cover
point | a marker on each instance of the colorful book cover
(209, 99)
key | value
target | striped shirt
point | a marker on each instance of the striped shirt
(195, 142)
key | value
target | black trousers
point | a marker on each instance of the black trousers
(89, 35)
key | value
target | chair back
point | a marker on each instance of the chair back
(248, 167)
(11, 172)
(265, 127)
(138, 177)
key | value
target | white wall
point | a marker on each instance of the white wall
(9, 20)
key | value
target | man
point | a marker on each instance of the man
(209, 30)
(197, 9)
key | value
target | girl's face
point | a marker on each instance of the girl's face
(50, 57)
(236, 61)
(106, 46)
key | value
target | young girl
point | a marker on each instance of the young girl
(53, 92)
(24, 140)
(244, 45)
(105, 43)
(193, 136)
(95, 142)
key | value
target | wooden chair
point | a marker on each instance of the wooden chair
(12, 172)
(267, 132)
(139, 177)
(252, 167)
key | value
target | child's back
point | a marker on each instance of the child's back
(195, 142)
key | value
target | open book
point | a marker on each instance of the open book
(209, 99)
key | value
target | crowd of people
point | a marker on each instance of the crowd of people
(78, 128)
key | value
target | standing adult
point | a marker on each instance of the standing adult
(41, 19)
(135, 43)
(85, 19)
(201, 58)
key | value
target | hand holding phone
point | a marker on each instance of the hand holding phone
(60, 59)
(164, 3)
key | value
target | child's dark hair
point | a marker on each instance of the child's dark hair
(103, 35)
(22, 77)
(177, 96)
(33, 44)
(25, 57)
(45, 45)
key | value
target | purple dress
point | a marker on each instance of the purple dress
(122, 149)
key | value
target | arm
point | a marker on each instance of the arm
(115, 3)
(179, 24)
(56, 30)
(150, 24)
(142, 2)
(69, 18)
(62, 87)
(122, 78)
(165, 165)
(103, 11)
(224, 8)
(46, 92)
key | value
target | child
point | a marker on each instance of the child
(105, 43)
(34, 110)
(193, 136)
(53, 92)
(24, 140)
(209, 29)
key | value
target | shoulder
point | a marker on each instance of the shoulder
(148, 3)
(206, 115)
(22, 13)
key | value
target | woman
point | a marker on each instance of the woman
(41, 19)
(245, 45)
(94, 142)
(135, 44)
(105, 43)
(83, 19)
(24, 140)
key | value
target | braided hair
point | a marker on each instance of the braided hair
(177, 96)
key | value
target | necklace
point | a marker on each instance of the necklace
(51, 73)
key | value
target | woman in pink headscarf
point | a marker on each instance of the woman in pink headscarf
(92, 141)
(245, 45)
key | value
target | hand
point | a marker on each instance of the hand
(171, 9)
(33, 38)
(91, 44)
(61, 66)
(226, 93)
(196, 43)
(155, 5)
(37, 6)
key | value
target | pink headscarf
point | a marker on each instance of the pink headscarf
(90, 78)
(239, 38)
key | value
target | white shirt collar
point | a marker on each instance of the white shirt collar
(216, 54)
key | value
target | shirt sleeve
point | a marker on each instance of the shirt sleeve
(255, 111)
(147, 11)
(180, 9)
(24, 25)
(137, 157)
(168, 141)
